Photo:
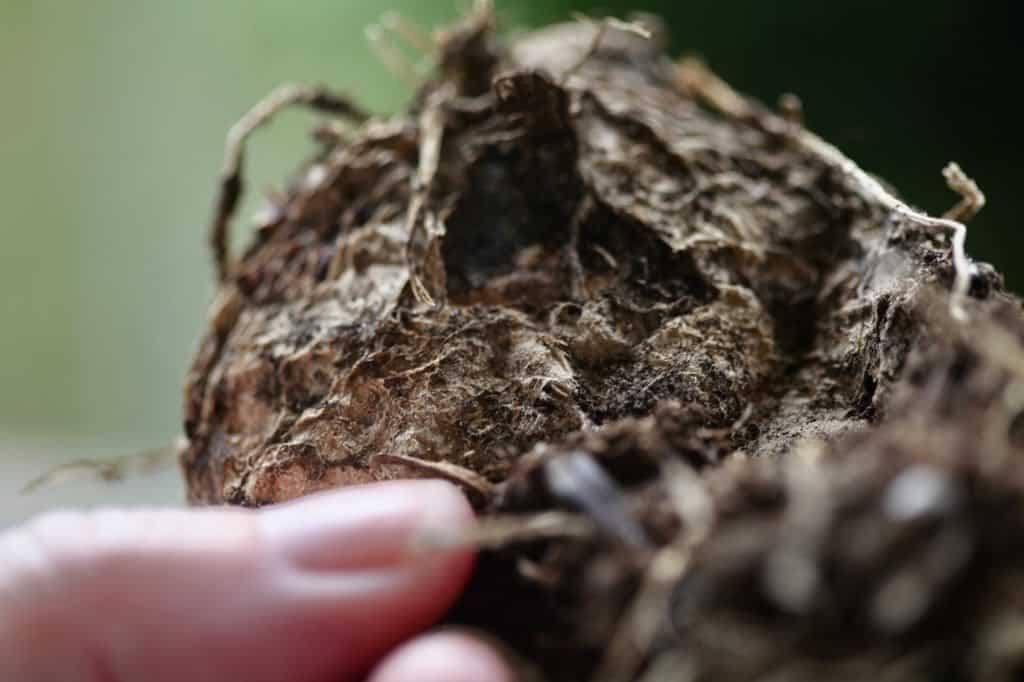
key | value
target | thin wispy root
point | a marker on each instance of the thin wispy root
(475, 486)
(972, 199)
(318, 99)
(602, 26)
(636, 631)
(378, 36)
(696, 79)
(501, 531)
(105, 469)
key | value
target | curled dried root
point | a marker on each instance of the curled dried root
(231, 181)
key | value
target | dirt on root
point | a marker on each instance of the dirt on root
(728, 408)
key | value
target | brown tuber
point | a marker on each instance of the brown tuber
(727, 407)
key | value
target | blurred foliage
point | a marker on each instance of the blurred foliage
(114, 112)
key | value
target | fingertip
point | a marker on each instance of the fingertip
(351, 562)
(178, 587)
(449, 498)
(364, 527)
(444, 657)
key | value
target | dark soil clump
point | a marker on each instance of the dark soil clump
(728, 408)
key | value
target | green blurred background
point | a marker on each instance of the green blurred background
(113, 113)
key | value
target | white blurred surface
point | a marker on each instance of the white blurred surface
(24, 458)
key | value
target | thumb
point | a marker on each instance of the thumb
(316, 589)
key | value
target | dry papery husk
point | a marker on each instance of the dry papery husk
(728, 408)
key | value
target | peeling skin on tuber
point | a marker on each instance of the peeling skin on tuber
(706, 380)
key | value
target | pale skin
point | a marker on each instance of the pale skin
(330, 587)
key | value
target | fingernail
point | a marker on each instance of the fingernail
(364, 527)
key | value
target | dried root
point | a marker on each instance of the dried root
(972, 199)
(601, 29)
(106, 469)
(503, 531)
(632, 641)
(231, 180)
(477, 488)
(393, 24)
(701, 375)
